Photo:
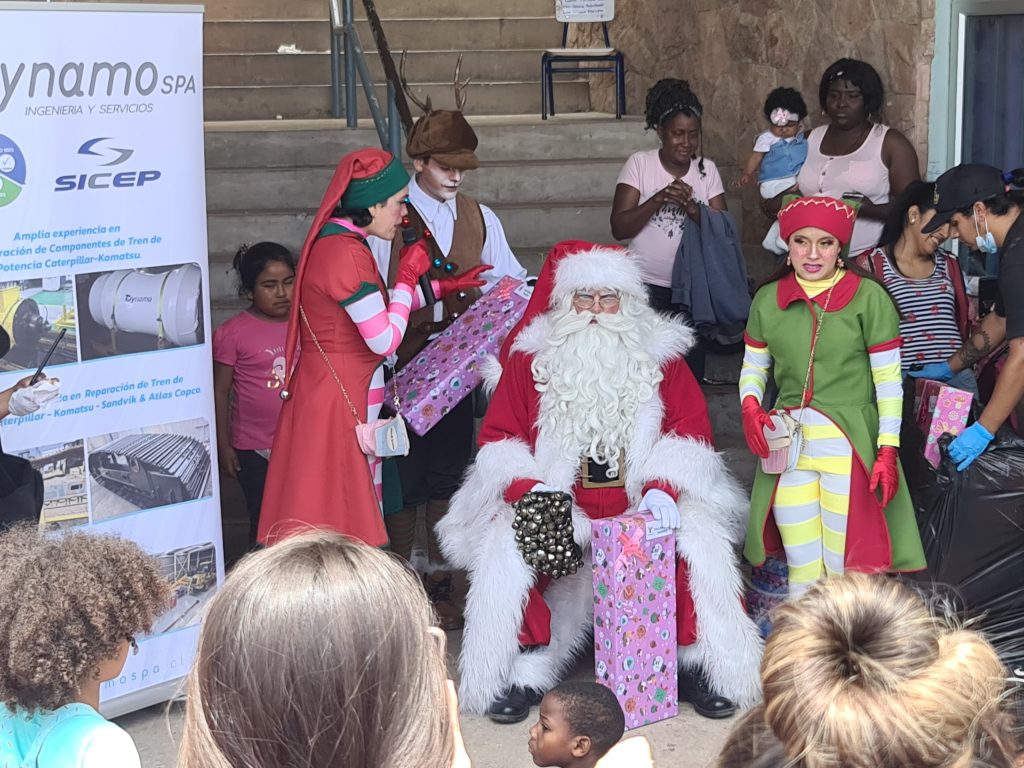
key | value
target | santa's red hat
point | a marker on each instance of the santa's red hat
(541, 300)
(827, 213)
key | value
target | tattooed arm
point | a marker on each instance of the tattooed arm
(980, 345)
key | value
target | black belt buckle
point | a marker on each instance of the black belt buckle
(593, 474)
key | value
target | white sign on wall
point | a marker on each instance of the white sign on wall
(103, 235)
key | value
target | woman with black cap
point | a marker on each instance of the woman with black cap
(983, 207)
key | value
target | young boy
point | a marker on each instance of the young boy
(579, 723)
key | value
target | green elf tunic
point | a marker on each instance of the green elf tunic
(861, 319)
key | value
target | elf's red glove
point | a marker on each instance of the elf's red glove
(468, 279)
(885, 475)
(413, 261)
(755, 419)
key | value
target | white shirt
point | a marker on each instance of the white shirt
(440, 220)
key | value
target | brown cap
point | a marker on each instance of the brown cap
(446, 136)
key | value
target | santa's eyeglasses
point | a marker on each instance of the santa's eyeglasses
(584, 300)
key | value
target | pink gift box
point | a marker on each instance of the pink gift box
(940, 409)
(448, 369)
(635, 616)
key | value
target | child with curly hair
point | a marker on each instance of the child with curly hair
(70, 607)
(779, 153)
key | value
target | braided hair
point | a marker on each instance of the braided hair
(670, 97)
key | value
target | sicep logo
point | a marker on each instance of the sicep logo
(12, 171)
(119, 155)
(107, 153)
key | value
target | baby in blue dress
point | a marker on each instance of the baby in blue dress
(70, 607)
(778, 152)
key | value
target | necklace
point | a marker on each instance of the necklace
(851, 146)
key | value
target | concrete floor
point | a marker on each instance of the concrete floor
(686, 741)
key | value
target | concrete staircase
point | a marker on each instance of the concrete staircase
(546, 181)
(248, 76)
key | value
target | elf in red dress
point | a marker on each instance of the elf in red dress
(595, 399)
(346, 323)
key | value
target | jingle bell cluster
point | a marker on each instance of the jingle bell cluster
(543, 532)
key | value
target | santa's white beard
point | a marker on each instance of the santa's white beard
(592, 378)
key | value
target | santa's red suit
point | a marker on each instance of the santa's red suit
(670, 449)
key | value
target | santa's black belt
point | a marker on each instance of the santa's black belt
(594, 474)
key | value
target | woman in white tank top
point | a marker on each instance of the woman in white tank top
(854, 154)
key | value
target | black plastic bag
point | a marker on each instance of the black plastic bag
(972, 528)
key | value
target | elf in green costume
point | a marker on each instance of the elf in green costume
(832, 339)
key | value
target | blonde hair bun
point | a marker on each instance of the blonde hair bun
(859, 672)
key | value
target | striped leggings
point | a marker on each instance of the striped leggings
(812, 503)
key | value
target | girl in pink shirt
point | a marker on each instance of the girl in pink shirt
(248, 368)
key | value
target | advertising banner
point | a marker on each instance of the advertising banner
(103, 236)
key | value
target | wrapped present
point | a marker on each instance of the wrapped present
(448, 369)
(940, 409)
(634, 615)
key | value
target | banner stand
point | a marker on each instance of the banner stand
(103, 236)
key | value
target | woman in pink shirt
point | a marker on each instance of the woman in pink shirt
(248, 369)
(658, 193)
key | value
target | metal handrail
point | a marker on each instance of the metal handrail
(345, 41)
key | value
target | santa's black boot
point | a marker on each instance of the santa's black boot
(694, 688)
(514, 705)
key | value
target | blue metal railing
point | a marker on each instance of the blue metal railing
(345, 46)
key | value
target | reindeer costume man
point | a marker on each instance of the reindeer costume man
(460, 234)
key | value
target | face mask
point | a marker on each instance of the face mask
(986, 244)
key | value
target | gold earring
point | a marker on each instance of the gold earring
(789, 262)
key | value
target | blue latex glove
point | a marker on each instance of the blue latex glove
(934, 371)
(971, 443)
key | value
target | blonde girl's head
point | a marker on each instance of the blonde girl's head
(316, 652)
(859, 673)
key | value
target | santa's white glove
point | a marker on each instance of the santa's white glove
(541, 488)
(662, 506)
(30, 399)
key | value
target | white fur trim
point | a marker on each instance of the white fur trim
(476, 535)
(598, 268)
(490, 371)
(667, 340)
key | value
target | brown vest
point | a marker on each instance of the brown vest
(467, 243)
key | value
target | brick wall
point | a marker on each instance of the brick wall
(733, 52)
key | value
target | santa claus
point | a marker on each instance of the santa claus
(595, 399)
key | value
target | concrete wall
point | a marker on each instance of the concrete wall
(733, 52)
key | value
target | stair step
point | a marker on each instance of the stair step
(271, 189)
(314, 101)
(534, 226)
(519, 138)
(220, 10)
(248, 69)
(434, 33)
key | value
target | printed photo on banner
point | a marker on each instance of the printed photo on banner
(149, 467)
(34, 312)
(140, 310)
(192, 573)
(62, 467)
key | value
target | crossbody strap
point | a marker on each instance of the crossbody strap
(814, 348)
(334, 374)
